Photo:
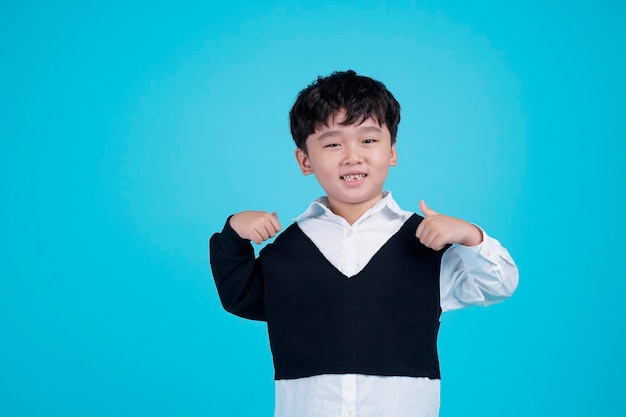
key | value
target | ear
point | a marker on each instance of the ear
(303, 162)
(393, 159)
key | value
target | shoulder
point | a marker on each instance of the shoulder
(288, 238)
(291, 232)
(413, 220)
(406, 235)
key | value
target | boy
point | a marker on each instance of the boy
(353, 290)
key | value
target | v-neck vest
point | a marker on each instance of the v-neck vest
(382, 321)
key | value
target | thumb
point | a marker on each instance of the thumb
(275, 214)
(426, 210)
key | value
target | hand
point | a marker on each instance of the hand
(257, 226)
(438, 230)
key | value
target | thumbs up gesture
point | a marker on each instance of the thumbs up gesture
(438, 230)
(257, 226)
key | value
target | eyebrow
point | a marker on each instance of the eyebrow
(328, 134)
(333, 133)
(370, 129)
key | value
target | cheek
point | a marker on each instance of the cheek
(383, 160)
(325, 165)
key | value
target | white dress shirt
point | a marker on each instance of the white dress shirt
(479, 275)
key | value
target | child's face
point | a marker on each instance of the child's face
(350, 163)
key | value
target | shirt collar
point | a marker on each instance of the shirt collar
(320, 208)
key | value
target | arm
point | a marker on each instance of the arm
(237, 274)
(475, 270)
(476, 275)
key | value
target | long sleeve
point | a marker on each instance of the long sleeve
(237, 274)
(476, 276)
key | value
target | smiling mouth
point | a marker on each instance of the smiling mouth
(353, 177)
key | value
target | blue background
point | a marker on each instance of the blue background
(129, 131)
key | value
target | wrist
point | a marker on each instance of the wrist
(474, 237)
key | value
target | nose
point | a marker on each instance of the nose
(353, 156)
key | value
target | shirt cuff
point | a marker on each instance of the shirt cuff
(487, 250)
(231, 242)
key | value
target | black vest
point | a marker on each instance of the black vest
(382, 321)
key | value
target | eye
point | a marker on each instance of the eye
(331, 145)
(369, 140)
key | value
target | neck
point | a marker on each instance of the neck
(352, 212)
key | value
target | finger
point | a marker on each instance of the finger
(256, 238)
(270, 229)
(437, 243)
(430, 237)
(428, 225)
(426, 210)
(275, 222)
(425, 225)
(421, 232)
(426, 238)
(260, 230)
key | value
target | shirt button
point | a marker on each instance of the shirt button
(348, 413)
(349, 233)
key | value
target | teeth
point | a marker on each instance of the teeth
(355, 177)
